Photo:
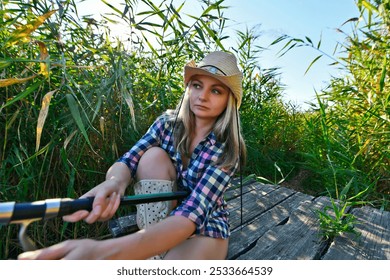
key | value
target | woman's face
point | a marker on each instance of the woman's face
(208, 97)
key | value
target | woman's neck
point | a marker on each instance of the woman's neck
(200, 131)
(202, 128)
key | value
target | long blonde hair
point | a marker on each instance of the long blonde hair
(227, 130)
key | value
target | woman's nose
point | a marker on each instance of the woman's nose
(203, 94)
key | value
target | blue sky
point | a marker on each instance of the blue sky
(296, 18)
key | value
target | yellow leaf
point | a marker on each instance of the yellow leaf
(12, 81)
(23, 32)
(43, 55)
(42, 116)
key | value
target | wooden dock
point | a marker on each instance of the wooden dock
(282, 224)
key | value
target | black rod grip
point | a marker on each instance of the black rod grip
(70, 206)
(38, 210)
(154, 197)
(28, 211)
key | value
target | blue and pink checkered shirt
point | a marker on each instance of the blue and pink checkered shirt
(205, 205)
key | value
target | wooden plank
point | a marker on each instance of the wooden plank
(256, 190)
(280, 223)
(255, 203)
(234, 190)
(241, 240)
(298, 239)
(373, 242)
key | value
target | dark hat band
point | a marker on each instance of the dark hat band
(213, 69)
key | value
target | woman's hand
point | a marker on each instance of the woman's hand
(107, 196)
(104, 205)
(143, 244)
(85, 249)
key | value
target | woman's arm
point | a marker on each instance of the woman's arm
(206, 197)
(141, 245)
(120, 173)
(149, 242)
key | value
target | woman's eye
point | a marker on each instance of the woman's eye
(215, 91)
(195, 85)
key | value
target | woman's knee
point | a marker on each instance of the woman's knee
(155, 163)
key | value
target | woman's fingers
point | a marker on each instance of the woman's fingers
(106, 202)
(108, 208)
(94, 215)
(103, 206)
(76, 216)
(70, 249)
(113, 204)
(54, 252)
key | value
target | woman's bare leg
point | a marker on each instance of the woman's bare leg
(155, 164)
(199, 248)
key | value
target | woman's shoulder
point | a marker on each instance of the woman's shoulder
(169, 114)
(166, 119)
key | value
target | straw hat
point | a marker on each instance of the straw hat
(219, 65)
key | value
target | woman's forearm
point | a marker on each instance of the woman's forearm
(148, 242)
(145, 243)
(120, 173)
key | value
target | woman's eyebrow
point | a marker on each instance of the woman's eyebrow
(197, 80)
(218, 84)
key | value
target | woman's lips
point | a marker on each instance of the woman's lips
(201, 107)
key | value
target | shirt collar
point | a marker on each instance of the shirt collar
(212, 138)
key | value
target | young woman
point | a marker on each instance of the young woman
(197, 148)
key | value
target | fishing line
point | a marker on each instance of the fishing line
(239, 163)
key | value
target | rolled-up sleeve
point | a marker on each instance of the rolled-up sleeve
(204, 199)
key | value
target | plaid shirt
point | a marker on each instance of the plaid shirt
(205, 205)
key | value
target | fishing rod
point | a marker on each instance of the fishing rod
(24, 213)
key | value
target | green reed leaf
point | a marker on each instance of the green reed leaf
(74, 109)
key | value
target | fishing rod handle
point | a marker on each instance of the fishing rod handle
(11, 212)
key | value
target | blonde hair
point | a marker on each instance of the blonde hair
(227, 130)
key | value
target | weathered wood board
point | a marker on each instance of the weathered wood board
(298, 238)
(281, 224)
(244, 239)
